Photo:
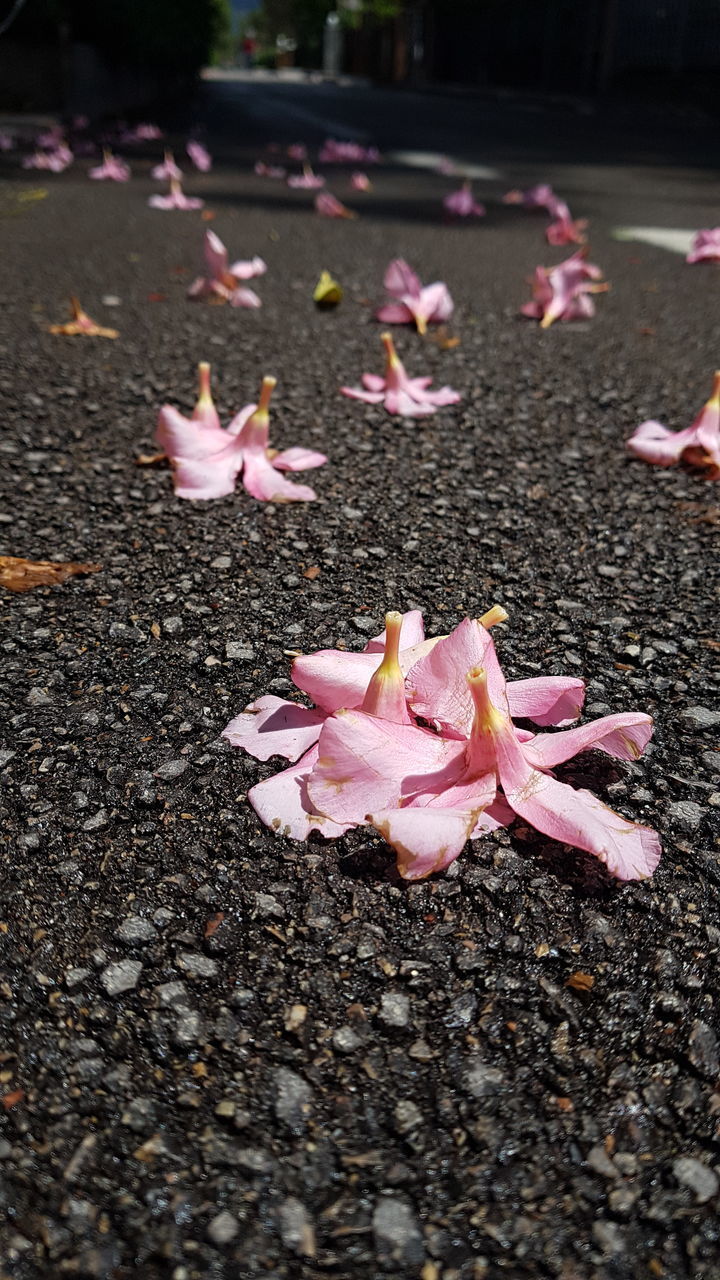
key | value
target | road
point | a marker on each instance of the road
(225, 1054)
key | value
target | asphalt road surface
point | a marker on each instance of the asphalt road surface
(227, 1055)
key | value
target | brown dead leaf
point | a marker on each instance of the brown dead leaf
(155, 630)
(564, 1104)
(580, 981)
(214, 923)
(442, 339)
(18, 574)
(150, 459)
(12, 1099)
(207, 215)
(157, 297)
(312, 573)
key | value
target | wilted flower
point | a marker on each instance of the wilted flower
(54, 161)
(199, 155)
(82, 325)
(307, 180)
(167, 170)
(297, 151)
(416, 303)
(706, 246)
(207, 460)
(360, 182)
(222, 283)
(269, 170)
(563, 292)
(112, 169)
(408, 397)
(563, 229)
(335, 152)
(537, 197)
(175, 199)
(698, 444)
(142, 133)
(462, 203)
(329, 207)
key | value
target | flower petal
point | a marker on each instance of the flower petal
(400, 278)
(437, 684)
(555, 700)
(334, 679)
(412, 632)
(395, 313)
(298, 459)
(653, 442)
(272, 726)
(281, 802)
(624, 736)
(424, 840)
(268, 485)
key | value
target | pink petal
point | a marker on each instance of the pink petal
(248, 268)
(437, 685)
(412, 632)
(333, 679)
(298, 459)
(400, 403)
(424, 840)
(240, 419)
(400, 279)
(556, 700)
(624, 736)
(272, 726)
(577, 818)
(653, 442)
(244, 298)
(436, 305)
(205, 459)
(373, 382)
(262, 481)
(370, 397)
(185, 437)
(498, 814)
(366, 764)
(281, 802)
(216, 255)
(395, 313)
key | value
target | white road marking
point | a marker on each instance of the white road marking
(434, 159)
(659, 237)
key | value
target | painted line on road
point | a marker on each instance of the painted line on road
(660, 237)
(435, 160)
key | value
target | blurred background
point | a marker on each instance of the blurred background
(110, 55)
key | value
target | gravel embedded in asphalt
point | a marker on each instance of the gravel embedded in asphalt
(227, 1054)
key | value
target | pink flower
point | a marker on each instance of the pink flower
(222, 283)
(175, 199)
(564, 230)
(207, 460)
(360, 182)
(416, 303)
(461, 203)
(167, 170)
(408, 397)
(698, 444)
(269, 170)
(537, 197)
(7, 140)
(54, 161)
(199, 155)
(563, 292)
(706, 246)
(298, 151)
(427, 793)
(112, 169)
(307, 180)
(142, 133)
(329, 207)
(50, 138)
(334, 152)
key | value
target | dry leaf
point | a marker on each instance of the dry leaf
(442, 339)
(149, 459)
(155, 630)
(12, 1099)
(207, 215)
(157, 297)
(312, 573)
(580, 981)
(214, 923)
(17, 574)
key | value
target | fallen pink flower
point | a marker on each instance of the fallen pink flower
(81, 325)
(167, 170)
(334, 152)
(307, 180)
(564, 230)
(706, 246)
(54, 161)
(142, 133)
(563, 292)
(7, 140)
(298, 151)
(175, 199)
(199, 155)
(537, 197)
(264, 170)
(329, 207)
(50, 138)
(360, 182)
(222, 283)
(112, 169)
(207, 460)
(416, 303)
(408, 397)
(428, 793)
(462, 204)
(698, 444)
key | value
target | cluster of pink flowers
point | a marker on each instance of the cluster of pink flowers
(563, 229)
(415, 738)
(336, 152)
